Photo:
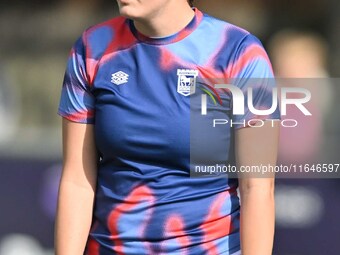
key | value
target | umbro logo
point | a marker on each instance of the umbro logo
(119, 78)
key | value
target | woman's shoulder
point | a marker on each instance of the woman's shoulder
(110, 24)
(105, 30)
(233, 33)
(110, 35)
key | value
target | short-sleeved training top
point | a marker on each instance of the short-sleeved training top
(136, 91)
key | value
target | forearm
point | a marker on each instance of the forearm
(257, 221)
(74, 215)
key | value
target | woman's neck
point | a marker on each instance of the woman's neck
(166, 21)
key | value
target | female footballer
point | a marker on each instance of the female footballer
(130, 120)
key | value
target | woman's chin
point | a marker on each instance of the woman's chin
(128, 12)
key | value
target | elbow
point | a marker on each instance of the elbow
(264, 188)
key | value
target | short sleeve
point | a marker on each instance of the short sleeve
(76, 101)
(252, 73)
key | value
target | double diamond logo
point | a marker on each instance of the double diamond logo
(119, 78)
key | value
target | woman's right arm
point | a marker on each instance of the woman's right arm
(77, 188)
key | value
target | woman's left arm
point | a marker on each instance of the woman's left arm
(256, 146)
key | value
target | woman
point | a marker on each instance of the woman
(128, 138)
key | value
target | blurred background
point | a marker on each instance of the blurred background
(302, 38)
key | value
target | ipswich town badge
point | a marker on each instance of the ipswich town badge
(186, 84)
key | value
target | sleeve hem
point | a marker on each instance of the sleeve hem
(75, 119)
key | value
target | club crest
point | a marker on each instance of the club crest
(186, 84)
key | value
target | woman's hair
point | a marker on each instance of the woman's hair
(191, 2)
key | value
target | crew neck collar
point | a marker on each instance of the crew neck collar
(188, 29)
